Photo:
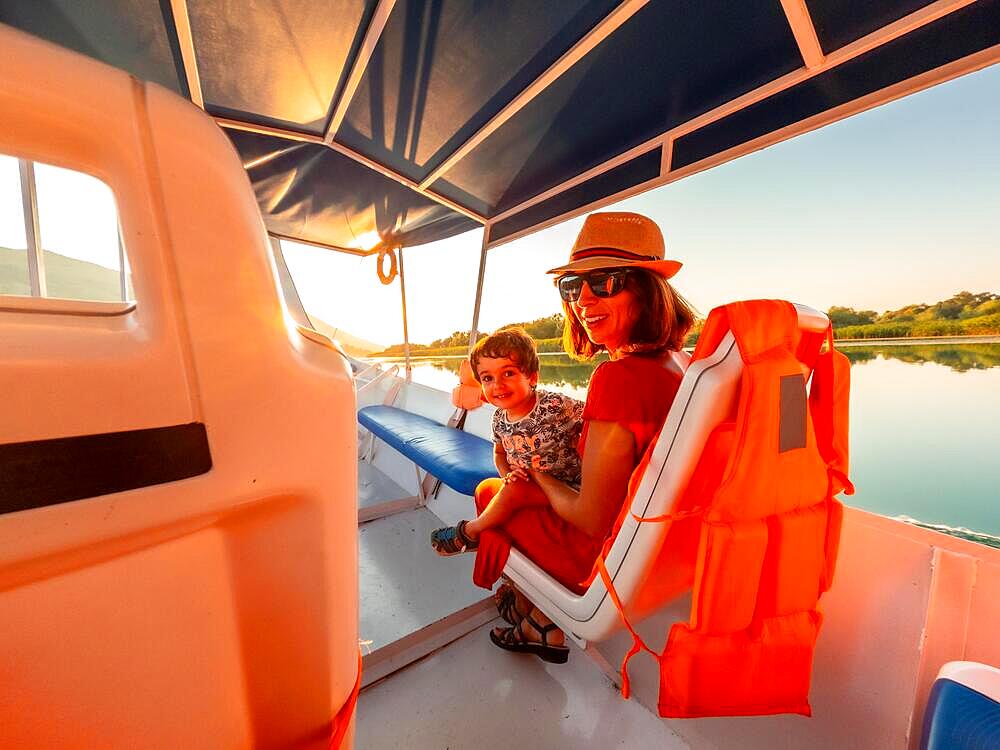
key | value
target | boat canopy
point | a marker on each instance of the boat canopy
(366, 124)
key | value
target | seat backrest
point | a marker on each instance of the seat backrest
(705, 400)
(695, 436)
(697, 431)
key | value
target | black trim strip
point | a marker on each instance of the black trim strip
(48, 472)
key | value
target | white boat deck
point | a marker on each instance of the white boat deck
(473, 695)
(379, 495)
(411, 600)
(433, 679)
(905, 600)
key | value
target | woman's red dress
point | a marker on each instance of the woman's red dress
(636, 392)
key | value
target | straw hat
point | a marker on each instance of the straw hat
(618, 239)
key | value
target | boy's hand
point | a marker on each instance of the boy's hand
(515, 474)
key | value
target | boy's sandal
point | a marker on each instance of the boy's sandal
(452, 540)
(506, 601)
(514, 639)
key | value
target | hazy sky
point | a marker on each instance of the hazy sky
(896, 205)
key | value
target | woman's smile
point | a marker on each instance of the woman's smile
(607, 320)
(590, 320)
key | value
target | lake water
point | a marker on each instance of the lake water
(925, 429)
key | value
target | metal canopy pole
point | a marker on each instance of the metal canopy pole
(406, 332)
(474, 331)
(32, 234)
(122, 286)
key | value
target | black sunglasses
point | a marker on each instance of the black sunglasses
(601, 283)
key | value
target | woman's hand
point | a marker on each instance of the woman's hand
(608, 461)
(515, 474)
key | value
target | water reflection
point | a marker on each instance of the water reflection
(957, 357)
(556, 371)
(923, 438)
(561, 373)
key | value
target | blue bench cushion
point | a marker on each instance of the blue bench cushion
(458, 459)
(960, 718)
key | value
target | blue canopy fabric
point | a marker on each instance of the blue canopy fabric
(440, 70)
(300, 189)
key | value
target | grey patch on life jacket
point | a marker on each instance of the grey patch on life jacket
(792, 413)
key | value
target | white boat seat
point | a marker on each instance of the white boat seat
(706, 397)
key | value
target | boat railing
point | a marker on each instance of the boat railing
(379, 377)
(372, 368)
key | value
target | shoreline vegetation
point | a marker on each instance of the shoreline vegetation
(957, 354)
(962, 316)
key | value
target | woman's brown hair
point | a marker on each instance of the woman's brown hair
(661, 325)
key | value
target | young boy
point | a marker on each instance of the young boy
(532, 429)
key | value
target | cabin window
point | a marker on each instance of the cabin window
(13, 248)
(516, 287)
(343, 297)
(59, 235)
(441, 293)
(287, 285)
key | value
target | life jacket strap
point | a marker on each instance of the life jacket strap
(637, 643)
(343, 718)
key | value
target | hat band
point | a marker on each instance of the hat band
(610, 252)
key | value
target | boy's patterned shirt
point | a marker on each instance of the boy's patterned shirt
(546, 439)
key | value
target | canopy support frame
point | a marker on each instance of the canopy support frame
(875, 39)
(963, 66)
(406, 330)
(291, 135)
(477, 305)
(611, 23)
(189, 60)
(804, 31)
(375, 28)
(815, 63)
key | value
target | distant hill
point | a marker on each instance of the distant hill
(65, 277)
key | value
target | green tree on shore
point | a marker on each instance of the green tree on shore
(963, 314)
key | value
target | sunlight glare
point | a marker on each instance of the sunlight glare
(366, 241)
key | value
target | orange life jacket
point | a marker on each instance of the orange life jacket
(769, 524)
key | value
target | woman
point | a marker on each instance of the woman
(616, 298)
